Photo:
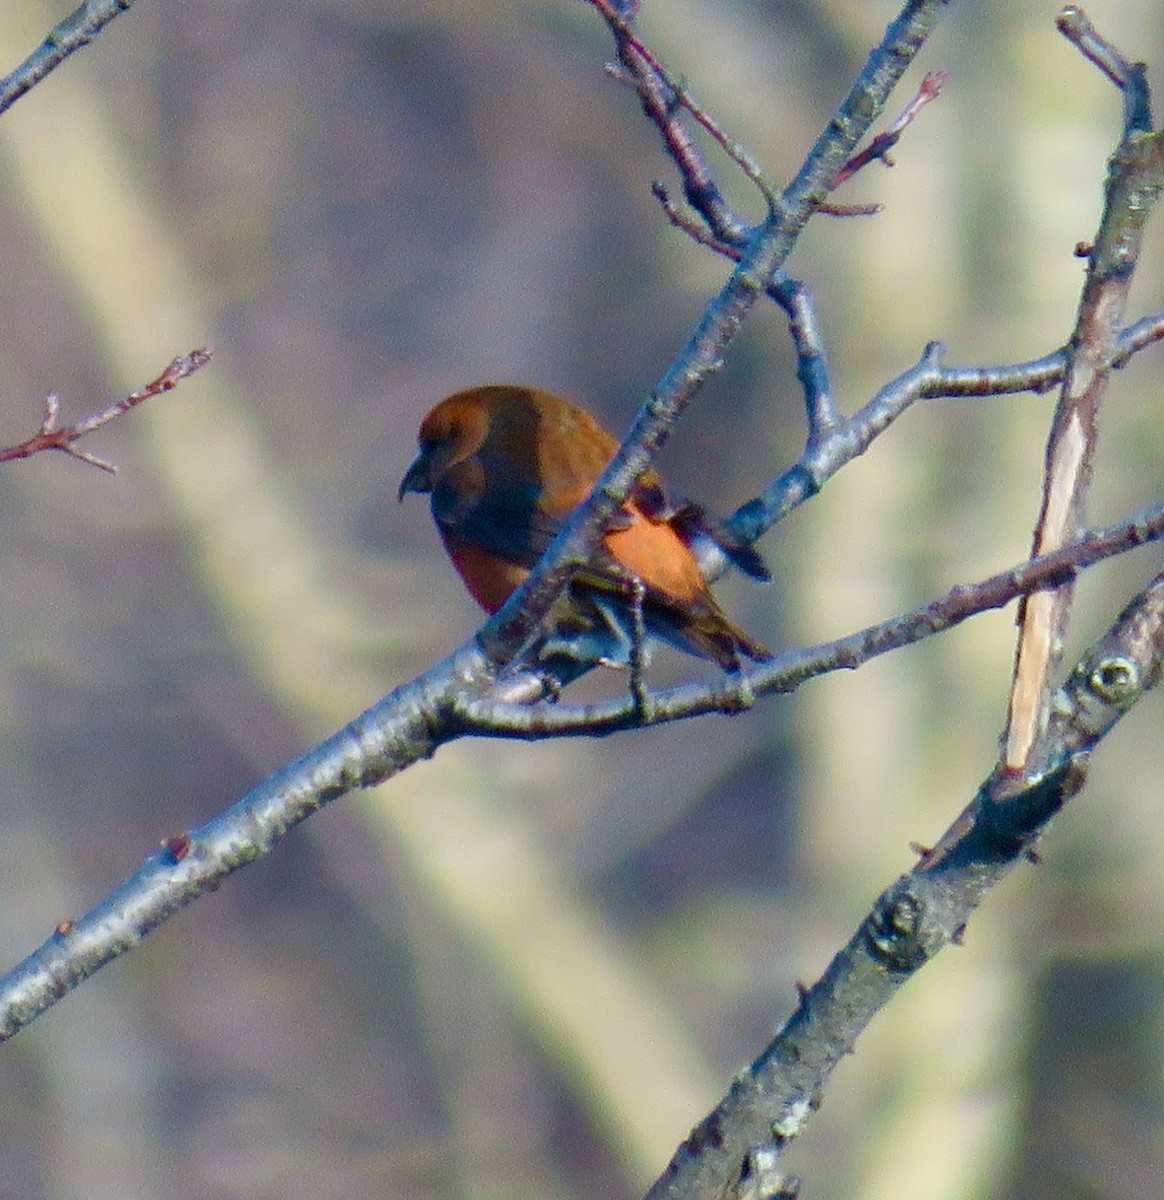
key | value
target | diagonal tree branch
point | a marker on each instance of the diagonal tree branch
(735, 1150)
(509, 710)
(772, 242)
(76, 31)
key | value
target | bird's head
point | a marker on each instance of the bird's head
(450, 433)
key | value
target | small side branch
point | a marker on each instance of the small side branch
(879, 147)
(1074, 24)
(664, 100)
(849, 437)
(54, 436)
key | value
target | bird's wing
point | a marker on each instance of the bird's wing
(505, 518)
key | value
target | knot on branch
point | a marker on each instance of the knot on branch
(1115, 680)
(896, 929)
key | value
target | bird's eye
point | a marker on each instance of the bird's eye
(443, 435)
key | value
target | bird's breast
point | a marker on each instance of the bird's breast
(491, 580)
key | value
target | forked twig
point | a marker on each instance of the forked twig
(54, 436)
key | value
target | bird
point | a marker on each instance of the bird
(505, 464)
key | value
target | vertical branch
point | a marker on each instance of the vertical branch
(1135, 177)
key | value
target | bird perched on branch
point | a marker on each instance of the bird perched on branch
(505, 465)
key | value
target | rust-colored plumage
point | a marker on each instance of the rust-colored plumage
(504, 465)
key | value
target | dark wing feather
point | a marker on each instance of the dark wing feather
(505, 520)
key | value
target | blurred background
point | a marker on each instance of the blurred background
(527, 970)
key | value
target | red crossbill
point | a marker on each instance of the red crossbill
(505, 465)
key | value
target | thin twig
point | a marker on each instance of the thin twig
(812, 369)
(664, 102)
(54, 436)
(1077, 28)
(640, 693)
(879, 147)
